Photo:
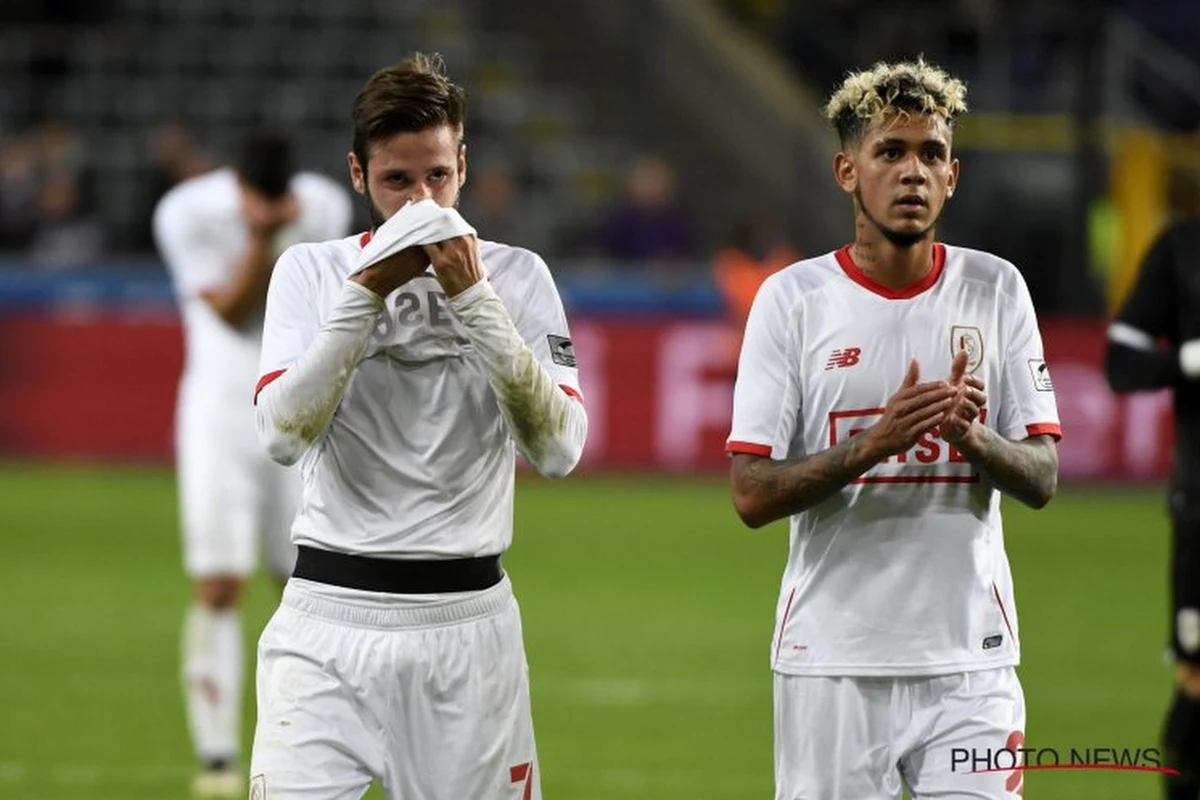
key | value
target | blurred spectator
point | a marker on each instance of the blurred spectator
(759, 249)
(175, 156)
(647, 223)
(18, 192)
(67, 235)
(45, 205)
(60, 150)
(491, 203)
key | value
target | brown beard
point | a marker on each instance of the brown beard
(377, 217)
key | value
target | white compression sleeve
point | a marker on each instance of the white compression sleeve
(294, 410)
(549, 426)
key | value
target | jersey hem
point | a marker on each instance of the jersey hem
(893, 670)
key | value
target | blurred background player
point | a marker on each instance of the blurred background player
(397, 652)
(220, 234)
(1154, 343)
(896, 631)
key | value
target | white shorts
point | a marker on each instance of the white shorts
(234, 501)
(862, 738)
(429, 698)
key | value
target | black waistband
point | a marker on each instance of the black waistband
(397, 576)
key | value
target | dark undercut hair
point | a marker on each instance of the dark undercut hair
(409, 97)
(266, 163)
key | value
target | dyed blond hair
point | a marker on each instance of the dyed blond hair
(894, 90)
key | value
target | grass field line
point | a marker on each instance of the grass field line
(167, 776)
(731, 782)
(66, 774)
(642, 692)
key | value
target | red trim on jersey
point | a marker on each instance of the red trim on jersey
(787, 612)
(1044, 429)
(750, 448)
(834, 416)
(1003, 613)
(264, 380)
(362, 240)
(571, 392)
(908, 292)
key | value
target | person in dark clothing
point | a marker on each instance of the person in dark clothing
(1154, 343)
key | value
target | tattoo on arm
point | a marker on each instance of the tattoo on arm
(1027, 469)
(766, 490)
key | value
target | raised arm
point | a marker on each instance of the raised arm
(547, 423)
(765, 489)
(244, 294)
(1026, 469)
(201, 270)
(1018, 454)
(305, 374)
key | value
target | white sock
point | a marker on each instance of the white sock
(212, 681)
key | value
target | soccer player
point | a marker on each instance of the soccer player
(1164, 307)
(404, 391)
(887, 394)
(219, 234)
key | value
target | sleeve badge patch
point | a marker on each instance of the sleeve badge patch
(562, 352)
(1041, 375)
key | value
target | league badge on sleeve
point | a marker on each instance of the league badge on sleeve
(562, 352)
(969, 338)
(1041, 375)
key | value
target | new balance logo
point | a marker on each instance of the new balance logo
(846, 357)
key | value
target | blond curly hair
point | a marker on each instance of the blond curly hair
(894, 90)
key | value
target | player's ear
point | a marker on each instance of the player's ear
(358, 176)
(952, 183)
(462, 165)
(845, 172)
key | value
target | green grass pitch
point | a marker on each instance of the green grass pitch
(648, 613)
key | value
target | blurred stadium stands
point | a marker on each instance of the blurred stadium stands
(1082, 143)
(226, 66)
(566, 96)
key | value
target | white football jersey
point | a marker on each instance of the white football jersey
(417, 461)
(201, 236)
(902, 572)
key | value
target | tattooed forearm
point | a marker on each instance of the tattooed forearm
(1027, 470)
(765, 490)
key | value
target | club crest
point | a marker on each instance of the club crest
(969, 338)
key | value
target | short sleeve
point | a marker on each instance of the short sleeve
(542, 323)
(766, 397)
(1151, 307)
(291, 320)
(1027, 406)
(193, 257)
